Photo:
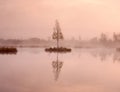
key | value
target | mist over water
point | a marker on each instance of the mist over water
(82, 70)
(88, 29)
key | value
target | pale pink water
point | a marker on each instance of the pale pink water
(83, 70)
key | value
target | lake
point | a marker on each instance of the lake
(82, 70)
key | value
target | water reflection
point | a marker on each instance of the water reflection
(104, 54)
(57, 65)
(8, 53)
(116, 57)
(34, 72)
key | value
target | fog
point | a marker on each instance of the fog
(35, 18)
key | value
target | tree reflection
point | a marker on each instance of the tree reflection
(116, 57)
(105, 54)
(102, 54)
(57, 65)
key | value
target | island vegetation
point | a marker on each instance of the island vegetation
(57, 35)
(8, 50)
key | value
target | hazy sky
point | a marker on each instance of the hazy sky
(35, 18)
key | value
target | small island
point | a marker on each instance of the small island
(8, 50)
(57, 35)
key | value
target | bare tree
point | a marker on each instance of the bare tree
(57, 34)
(103, 38)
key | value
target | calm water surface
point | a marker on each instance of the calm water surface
(82, 70)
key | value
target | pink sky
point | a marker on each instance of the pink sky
(35, 18)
